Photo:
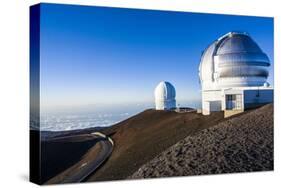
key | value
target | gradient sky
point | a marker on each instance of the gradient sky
(98, 55)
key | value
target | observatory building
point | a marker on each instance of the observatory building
(165, 95)
(233, 75)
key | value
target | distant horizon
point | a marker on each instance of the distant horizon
(74, 108)
(109, 56)
(81, 117)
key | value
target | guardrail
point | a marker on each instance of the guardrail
(104, 136)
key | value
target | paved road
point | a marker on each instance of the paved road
(88, 167)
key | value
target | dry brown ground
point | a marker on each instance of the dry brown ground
(240, 144)
(142, 137)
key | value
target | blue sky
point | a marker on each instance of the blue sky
(98, 55)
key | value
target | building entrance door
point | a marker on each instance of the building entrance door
(233, 102)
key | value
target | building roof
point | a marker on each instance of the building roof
(164, 91)
(234, 59)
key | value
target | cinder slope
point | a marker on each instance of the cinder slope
(240, 144)
(139, 139)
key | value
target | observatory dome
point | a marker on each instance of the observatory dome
(165, 95)
(234, 60)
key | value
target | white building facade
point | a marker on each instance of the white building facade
(233, 74)
(165, 96)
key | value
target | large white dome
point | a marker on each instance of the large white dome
(234, 60)
(165, 95)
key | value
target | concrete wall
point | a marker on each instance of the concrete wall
(214, 100)
(211, 101)
(228, 113)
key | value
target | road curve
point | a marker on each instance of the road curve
(87, 167)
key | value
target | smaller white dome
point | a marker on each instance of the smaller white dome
(165, 95)
(266, 84)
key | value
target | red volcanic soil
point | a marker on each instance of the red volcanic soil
(143, 136)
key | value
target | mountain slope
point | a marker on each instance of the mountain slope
(240, 144)
(142, 137)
